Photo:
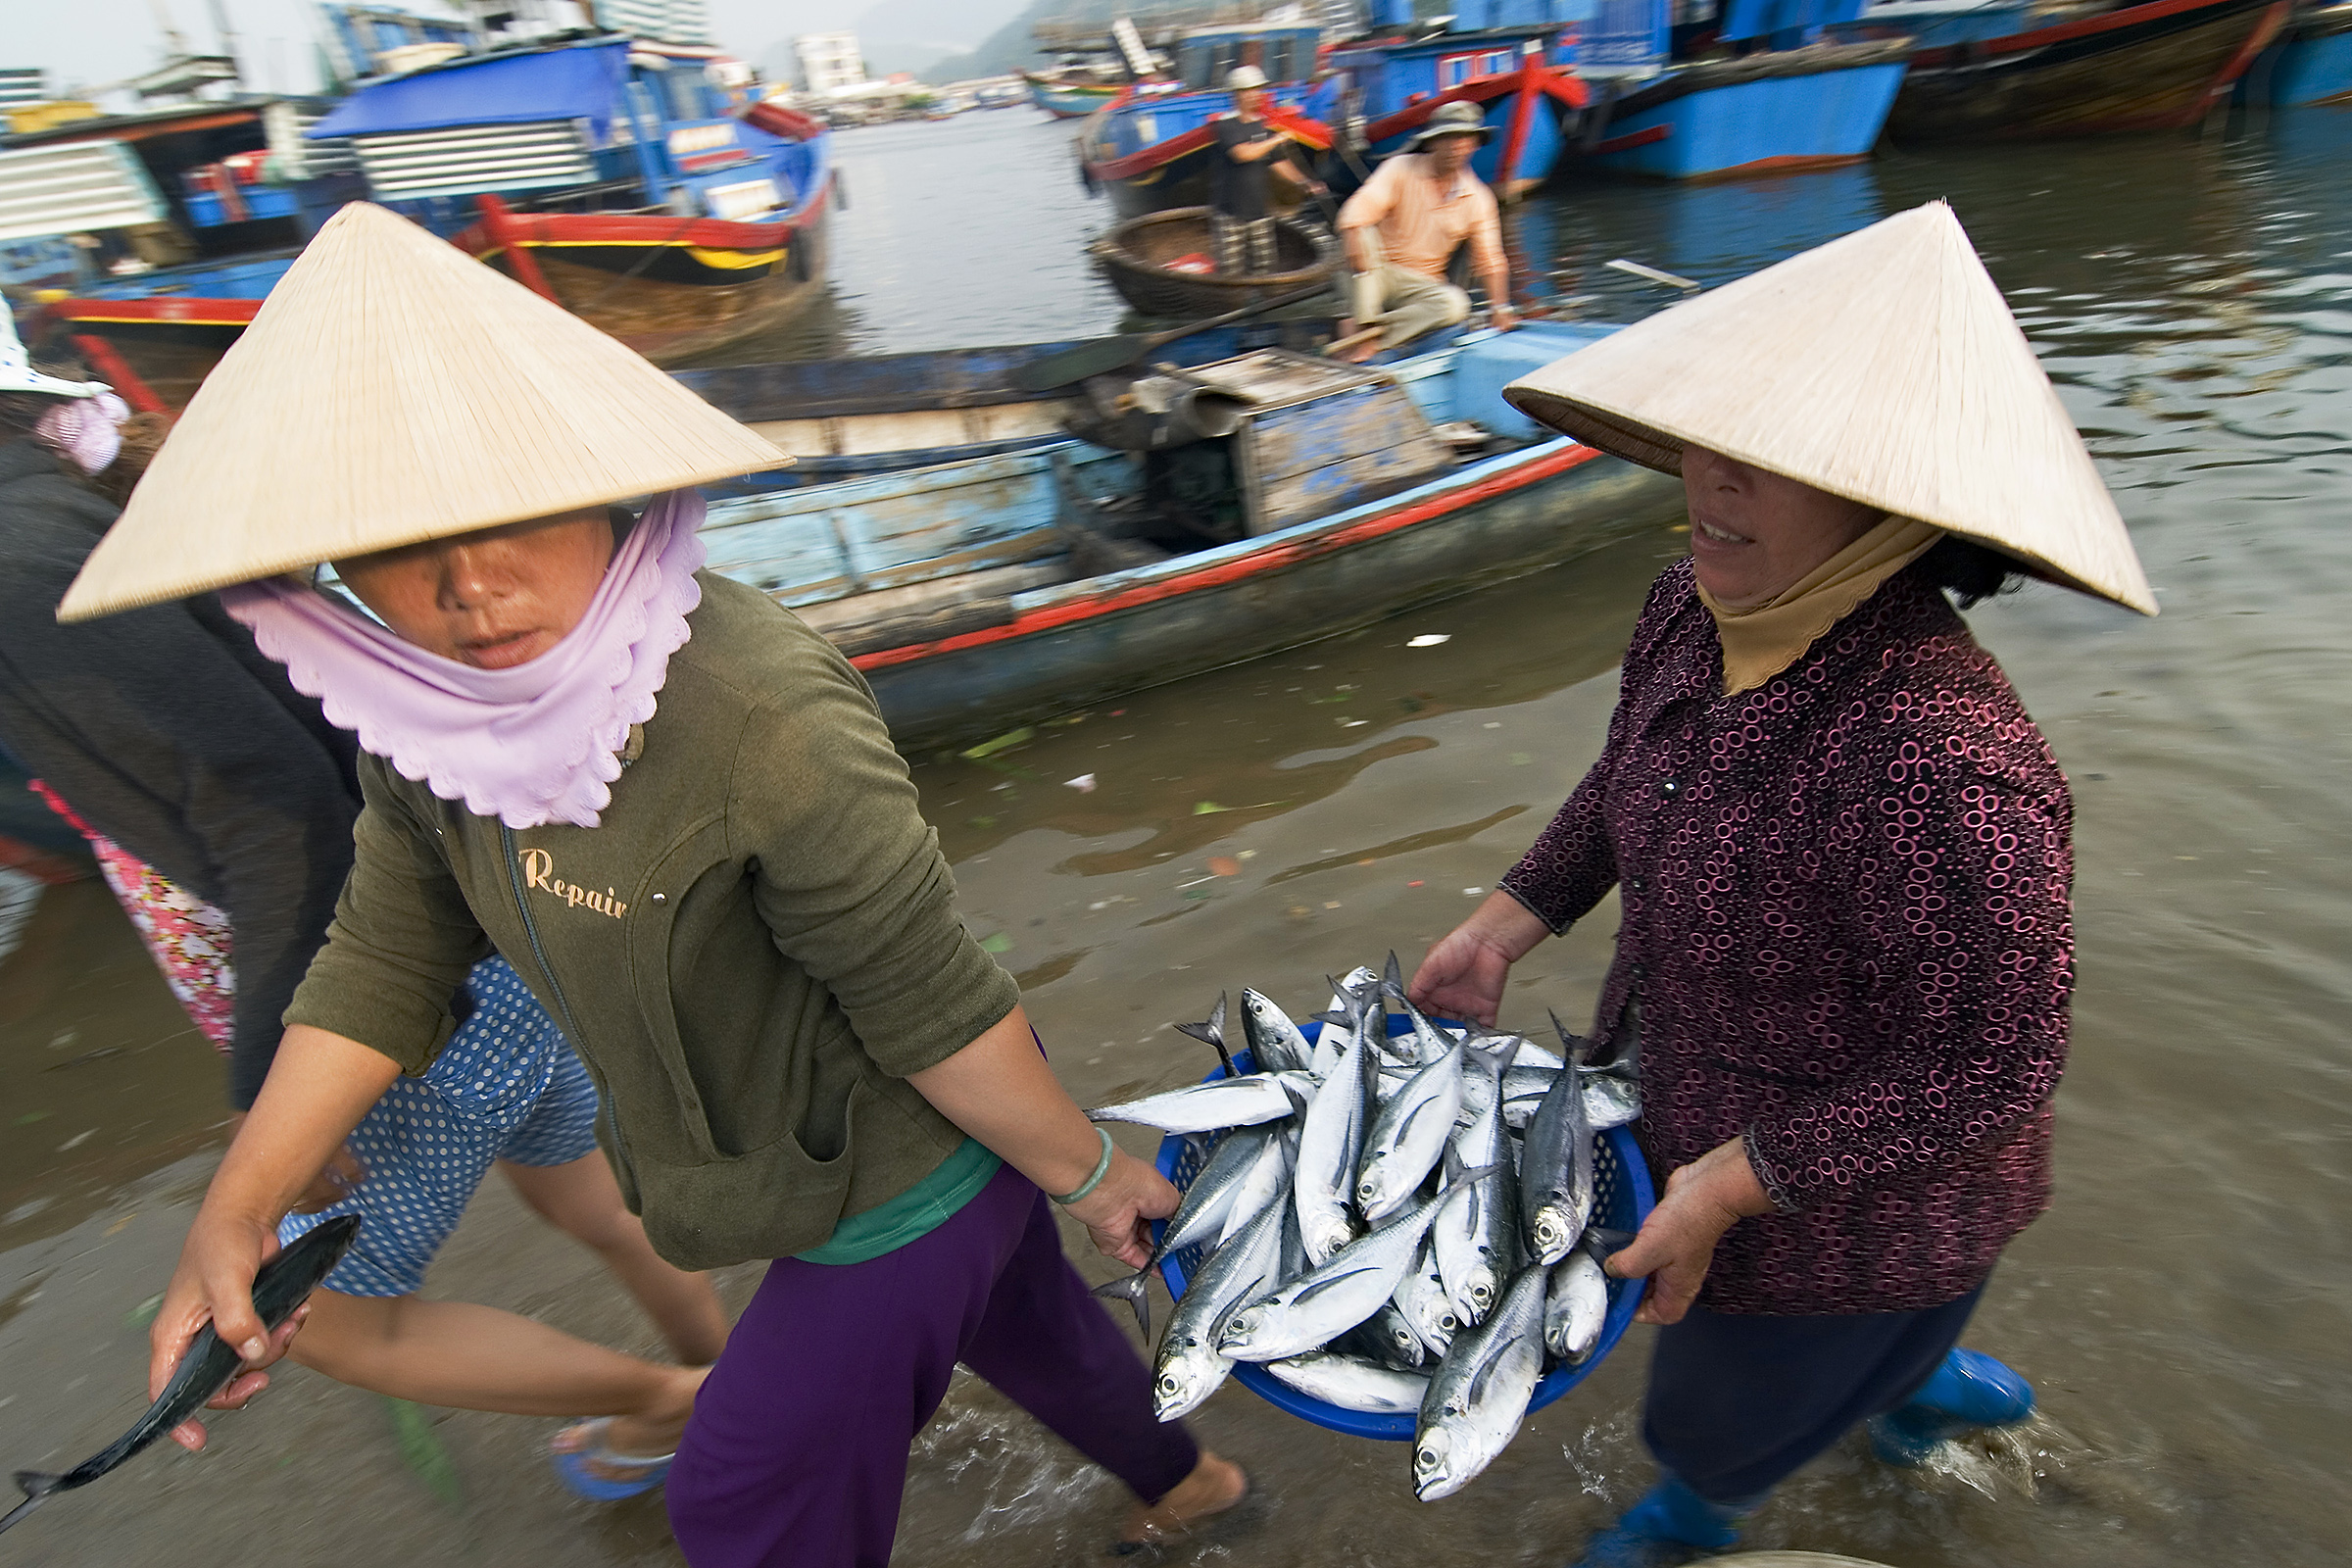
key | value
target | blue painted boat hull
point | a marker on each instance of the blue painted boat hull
(2313, 65)
(1774, 126)
(1539, 155)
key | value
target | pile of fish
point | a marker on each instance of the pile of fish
(1390, 1224)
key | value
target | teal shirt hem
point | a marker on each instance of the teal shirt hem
(915, 1213)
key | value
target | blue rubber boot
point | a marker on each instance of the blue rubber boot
(1668, 1527)
(1968, 1390)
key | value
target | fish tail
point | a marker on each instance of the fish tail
(1133, 1291)
(36, 1485)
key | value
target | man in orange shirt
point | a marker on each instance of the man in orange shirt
(1403, 226)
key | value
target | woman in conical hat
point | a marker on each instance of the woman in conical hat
(1842, 851)
(676, 811)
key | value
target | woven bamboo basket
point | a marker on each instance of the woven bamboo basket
(1134, 258)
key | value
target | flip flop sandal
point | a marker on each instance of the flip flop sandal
(573, 1465)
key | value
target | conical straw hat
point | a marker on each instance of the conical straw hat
(1884, 368)
(391, 390)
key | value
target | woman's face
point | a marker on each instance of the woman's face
(494, 599)
(1754, 534)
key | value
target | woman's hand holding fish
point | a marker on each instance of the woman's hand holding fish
(214, 1284)
(999, 1090)
(1463, 976)
(1703, 1199)
(1116, 1213)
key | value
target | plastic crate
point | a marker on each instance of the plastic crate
(1621, 1200)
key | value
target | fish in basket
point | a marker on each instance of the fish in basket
(1160, 265)
(1393, 1226)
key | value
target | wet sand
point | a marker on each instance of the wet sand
(2183, 1306)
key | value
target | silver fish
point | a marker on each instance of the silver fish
(1212, 1106)
(1399, 1345)
(1275, 1043)
(1268, 1181)
(1189, 1366)
(1530, 1055)
(1477, 1244)
(1202, 1216)
(280, 1286)
(1212, 1032)
(1326, 1302)
(1350, 1383)
(1611, 1101)
(1479, 1393)
(1407, 1135)
(1331, 1143)
(1556, 1170)
(1576, 1303)
(1427, 1040)
(1421, 1300)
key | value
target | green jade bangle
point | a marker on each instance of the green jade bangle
(1101, 1169)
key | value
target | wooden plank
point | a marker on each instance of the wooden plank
(1314, 458)
(860, 435)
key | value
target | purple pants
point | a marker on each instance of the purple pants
(797, 1454)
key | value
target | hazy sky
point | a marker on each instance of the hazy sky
(95, 41)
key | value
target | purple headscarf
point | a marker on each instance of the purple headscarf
(536, 744)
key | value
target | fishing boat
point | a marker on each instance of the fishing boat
(613, 175)
(1064, 97)
(1150, 145)
(2310, 61)
(2159, 65)
(966, 592)
(627, 181)
(1693, 109)
(1163, 264)
(1514, 59)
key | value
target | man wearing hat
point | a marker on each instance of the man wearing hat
(1843, 852)
(1403, 226)
(1240, 219)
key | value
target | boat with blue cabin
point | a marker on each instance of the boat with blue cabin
(1150, 145)
(1759, 90)
(639, 183)
(1513, 59)
(1254, 504)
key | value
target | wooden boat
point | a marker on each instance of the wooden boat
(2310, 62)
(1521, 76)
(960, 591)
(2159, 65)
(1150, 146)
(1135, 258)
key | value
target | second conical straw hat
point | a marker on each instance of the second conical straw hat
(1884, 367)
(391, 390)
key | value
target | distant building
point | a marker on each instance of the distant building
(829, 60)
(20, 85)
(683, 21)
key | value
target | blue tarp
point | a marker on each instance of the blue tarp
(1799, 19)
(580, 83)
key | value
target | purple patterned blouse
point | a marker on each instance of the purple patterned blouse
(1846, 928)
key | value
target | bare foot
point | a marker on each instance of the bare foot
(1214, 1486)
(650, 1434)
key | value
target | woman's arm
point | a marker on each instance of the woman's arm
(999, 1090)
(317, 1090)
(1463, 976)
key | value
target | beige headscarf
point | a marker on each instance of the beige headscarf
(1759, 642)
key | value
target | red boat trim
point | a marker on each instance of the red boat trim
(57, 135)
(118, 374)
(189, 311)
(1632, 139)
(1787, 164)
(2273, 22)
(1559, 84)
(2020, 43)
(1523, 110)
(1274, 557)
(498, 223)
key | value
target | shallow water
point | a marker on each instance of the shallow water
(2183, 1306)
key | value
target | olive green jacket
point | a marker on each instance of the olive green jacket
(752, 951)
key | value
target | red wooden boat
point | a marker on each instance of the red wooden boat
(2161, 66)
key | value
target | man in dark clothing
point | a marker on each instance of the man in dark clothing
(1250, 148)
(170, 732)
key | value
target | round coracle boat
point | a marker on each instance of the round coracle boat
(1163, 264)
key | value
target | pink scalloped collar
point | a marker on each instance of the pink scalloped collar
(533, 744)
